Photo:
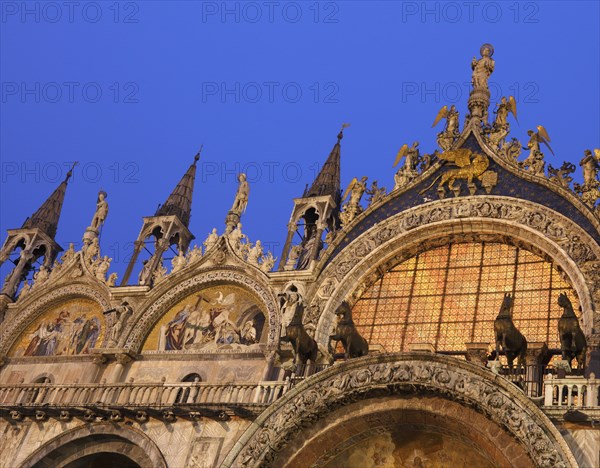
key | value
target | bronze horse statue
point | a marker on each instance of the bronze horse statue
(512, 342)
(572, 340)
(304, 346)
(345, 331)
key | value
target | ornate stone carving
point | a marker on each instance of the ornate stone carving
(514, 217)
(354, 380)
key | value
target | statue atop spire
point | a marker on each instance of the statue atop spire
(479, 98)
(93, 230)
(239, 204)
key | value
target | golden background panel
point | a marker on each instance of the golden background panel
(69, 328)
(410, 448)
(451, 295)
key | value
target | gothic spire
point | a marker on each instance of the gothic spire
(47, 216)
(328, 180)
(179, 202)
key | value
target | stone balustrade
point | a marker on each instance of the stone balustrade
(571, 392)
(146, 395)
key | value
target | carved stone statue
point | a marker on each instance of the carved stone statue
(512, 342)
(376, 194)
(535, 161)
(112, 279)
(345, 331)
(236, 237)
(211, 240)
(241, 197)
(101, 211)
(92, 251)
(102, 267)
(482, 68)
(122, 314)
(178, 262)
(255, 253)
(310, 242)
(41, 276)
(292, 257)
(446, 137)
(572, 340)
(268, 262)
(356, 188)
(144, 278)
(500, 128)
(590, 165)
(590, 190)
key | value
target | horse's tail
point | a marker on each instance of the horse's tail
(431, 185)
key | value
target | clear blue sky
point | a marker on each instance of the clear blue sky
(132, 89)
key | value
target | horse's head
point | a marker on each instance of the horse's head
(565, 303)
(506, 308)
(344, 312)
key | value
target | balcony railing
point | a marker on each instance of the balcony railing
(573, 392)
(240, 398)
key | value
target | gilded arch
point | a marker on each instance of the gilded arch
(359, 379)
(150, 314)
(412, 231)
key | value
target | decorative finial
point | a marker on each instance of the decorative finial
(197, 157)
(70, 173)
(341, 134)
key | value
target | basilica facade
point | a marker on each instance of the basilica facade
(454, 320)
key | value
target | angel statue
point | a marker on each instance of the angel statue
(590, 190)
(483, 68)
(356, 188)
(535, 161)
(409, 170)
(376, 193)
(500, 127)
(450, 132)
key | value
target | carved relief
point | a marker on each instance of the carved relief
(400, 373)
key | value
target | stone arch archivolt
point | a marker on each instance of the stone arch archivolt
(401, 374)
(36, 308)
(149, 315)
(81, 441)
(536, 228)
